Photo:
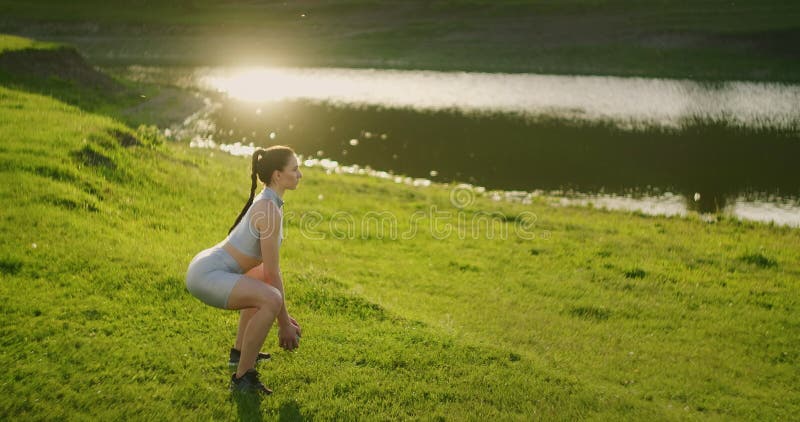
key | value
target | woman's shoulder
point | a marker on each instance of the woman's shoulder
(265, 202)
(265, 213)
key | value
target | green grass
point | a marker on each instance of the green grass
(697, 39)
(601, 315)
(10, 43)
(59, 71)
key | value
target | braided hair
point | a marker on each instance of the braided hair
(265, 162)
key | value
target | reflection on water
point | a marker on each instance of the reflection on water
(626, 102)
(780, 211)
(570, 137)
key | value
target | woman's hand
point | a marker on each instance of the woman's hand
(289, 335)
(294, 322)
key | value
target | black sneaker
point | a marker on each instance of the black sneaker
(236, 354)
(248, 383)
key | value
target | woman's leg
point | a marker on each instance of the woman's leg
(257, 273)
(244, 319)
(266, 301)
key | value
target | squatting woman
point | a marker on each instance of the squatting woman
(242, 272)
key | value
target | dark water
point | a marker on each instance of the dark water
(654, 145)
(501, 151)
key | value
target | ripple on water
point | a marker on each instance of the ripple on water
(629, 103)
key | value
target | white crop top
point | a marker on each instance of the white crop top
(245, 235)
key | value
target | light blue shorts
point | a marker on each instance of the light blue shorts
(211, 276)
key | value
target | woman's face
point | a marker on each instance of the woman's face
(290, 176)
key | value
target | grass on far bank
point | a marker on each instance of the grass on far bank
(693, 39)
(13, 43)
(600, 315)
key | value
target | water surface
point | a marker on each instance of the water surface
(660, 146)
(628, 102)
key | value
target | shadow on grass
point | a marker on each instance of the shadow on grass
(248, 405)
(290, 411)
(249, 408)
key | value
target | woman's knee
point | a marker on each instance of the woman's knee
(267, 296)
(251, 293)
(271, 297)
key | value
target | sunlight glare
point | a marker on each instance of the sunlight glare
(271, 84)
(628, 102)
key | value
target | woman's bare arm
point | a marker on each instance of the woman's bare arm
(267, 220)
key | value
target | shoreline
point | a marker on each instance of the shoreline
(623, 204)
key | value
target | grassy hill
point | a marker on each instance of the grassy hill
(60, 71)
(696, 39)
(601, 315)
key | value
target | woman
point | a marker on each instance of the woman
(232, 274)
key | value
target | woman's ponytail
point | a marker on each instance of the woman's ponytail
(254, 182)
